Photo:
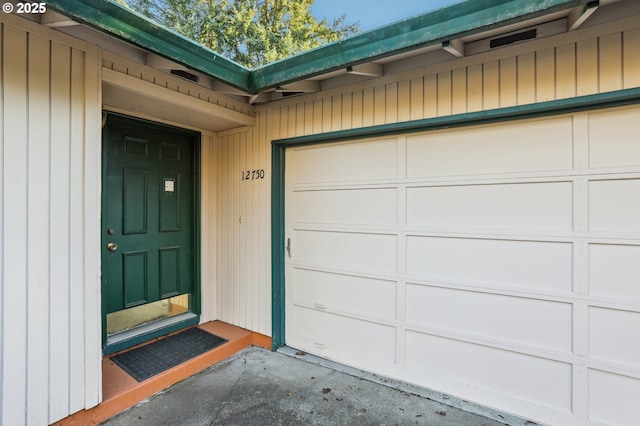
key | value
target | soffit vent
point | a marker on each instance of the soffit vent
(186, 74)
(521, 35)
(513, 38)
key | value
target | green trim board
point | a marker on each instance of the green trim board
(431, 28)
(277, 244)
(196, 296)
(278, 164)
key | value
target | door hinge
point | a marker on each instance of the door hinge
(288, 247)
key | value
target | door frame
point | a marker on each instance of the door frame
(184, 320)
(278, 164)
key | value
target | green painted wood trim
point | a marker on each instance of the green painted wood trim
(278, 148)
(424, 30)
(196, 302)
(277, 245)
(132, 27)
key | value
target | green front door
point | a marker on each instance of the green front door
(149, 213)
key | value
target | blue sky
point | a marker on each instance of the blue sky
(374, 13)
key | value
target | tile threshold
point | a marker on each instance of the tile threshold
(121, 391)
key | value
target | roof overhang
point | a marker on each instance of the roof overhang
(441, 27)
(421, 31)
(125, 93)
(132, 27)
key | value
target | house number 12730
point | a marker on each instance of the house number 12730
(252, 174)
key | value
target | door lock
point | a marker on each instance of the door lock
(112, 246)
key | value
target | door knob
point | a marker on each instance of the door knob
(112, 246)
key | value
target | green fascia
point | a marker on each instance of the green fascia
(278, 148)
(432, 28)
(132, 27)
(420, 31)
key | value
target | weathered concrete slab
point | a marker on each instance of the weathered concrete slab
(262, 388)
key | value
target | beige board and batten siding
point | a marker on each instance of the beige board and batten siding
(51, 137)
(50, 344)
(592, 60)
(208, 228)
(243, 244)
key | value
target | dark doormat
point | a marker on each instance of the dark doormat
(149, 360)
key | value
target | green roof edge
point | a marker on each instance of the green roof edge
(424, 30)
(132, 27)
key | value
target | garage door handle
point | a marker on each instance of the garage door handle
(320, 345)
(289, 246)
(319, 306)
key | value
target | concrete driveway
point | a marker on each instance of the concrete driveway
(260, 387)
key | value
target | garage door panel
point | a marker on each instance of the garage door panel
(350, 250)
(372, 160)
(353, 341)
(355, 206)
(526, 377)
(613, 335)
(613, 398)
(345, 293)
(505, 206)
(613, 138)
(498, 262)
(614, 205)
(504, 263)
(539, 145)
(528, 321)
(614, 271)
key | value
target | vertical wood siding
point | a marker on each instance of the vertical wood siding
(49, 275)
(584, 62)
(208, 227)
(50, 172)
(244, 275)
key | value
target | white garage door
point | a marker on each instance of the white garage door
(498, 263)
